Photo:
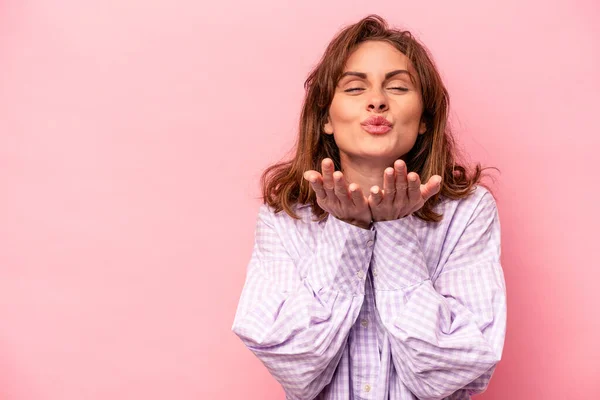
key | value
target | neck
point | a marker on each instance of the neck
(364, 172)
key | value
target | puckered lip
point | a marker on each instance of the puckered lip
(376, 120)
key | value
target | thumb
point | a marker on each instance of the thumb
(431, 187)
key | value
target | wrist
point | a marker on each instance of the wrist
(360, 224)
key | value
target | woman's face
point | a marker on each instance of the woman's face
(375, 82)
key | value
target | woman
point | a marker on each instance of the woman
(385, 288)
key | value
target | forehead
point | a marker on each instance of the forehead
(376, 57)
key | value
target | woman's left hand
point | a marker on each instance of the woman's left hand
(402, 194)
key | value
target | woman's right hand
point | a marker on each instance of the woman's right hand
(344, 202)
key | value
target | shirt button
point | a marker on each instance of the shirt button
(364, 323)
(360, 274)
(367, 388)
(370, 243)
(374, 272)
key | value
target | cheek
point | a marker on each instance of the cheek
(342, 112)
(410, 111)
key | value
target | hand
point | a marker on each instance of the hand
(344, 202)
(402, 194)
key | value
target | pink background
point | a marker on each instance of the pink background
(132, 136)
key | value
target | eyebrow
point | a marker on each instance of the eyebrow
(362, 75)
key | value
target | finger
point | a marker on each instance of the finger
(389, 185)
(401, 179)
(376, 196)
(432, 186)
(328, 184)
(341, 189)
(414, 188)
(356, 194)
(316, 182)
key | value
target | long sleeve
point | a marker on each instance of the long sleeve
(295, 315)
(446, 334)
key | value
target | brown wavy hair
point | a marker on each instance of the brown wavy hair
(434, 151)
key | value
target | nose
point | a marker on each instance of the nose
(378, 102)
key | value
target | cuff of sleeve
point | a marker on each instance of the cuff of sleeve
(398, 261)
(343, 256)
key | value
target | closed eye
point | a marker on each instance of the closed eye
(355, 89)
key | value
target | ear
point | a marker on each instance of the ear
(422, 128)
(328, 128)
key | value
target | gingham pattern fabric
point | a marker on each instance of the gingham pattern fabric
(405, 310)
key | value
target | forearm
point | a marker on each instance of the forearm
(448, 333)
(299, 332)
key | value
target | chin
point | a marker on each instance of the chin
(383, 147)
(380, 154)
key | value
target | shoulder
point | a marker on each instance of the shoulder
(480, 204)
(480, 198)
(282, 221)
(302, 210)
(297, 236)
